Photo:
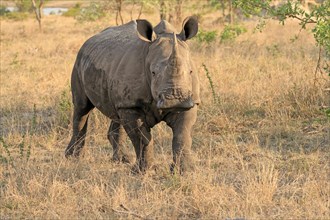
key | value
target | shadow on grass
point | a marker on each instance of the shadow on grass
(31, 121)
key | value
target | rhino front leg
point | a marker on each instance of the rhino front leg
(138, 131)
(181, 124)
(116, 135)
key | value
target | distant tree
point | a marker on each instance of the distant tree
(163, 8)
(37, 8)
(141, 5)
(226, 7)
(29, 6)
(178, 10)
(171, 10)
(119, 4)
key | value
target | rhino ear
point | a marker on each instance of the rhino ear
(145, 30)
(189, 28)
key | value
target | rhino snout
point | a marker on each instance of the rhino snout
(167, 101)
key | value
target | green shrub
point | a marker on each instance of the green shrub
(327, 112)
(231, 32)
(23, 5)
(216, 4)
(64, 109)
(17, 16)
(7, 158)
(3, 10)
(273, 49)
(21, 12)
(73, 12)
(92, 13)
(206, 36)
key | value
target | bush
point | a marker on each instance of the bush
(64, 109)
(21, 12)
(17, 16)
(231, 32)
(73, 12)
(206, 36)
(23, 5)
(3, 11)
(273, 49)
(93, 12)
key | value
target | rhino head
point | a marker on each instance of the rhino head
(170, 72)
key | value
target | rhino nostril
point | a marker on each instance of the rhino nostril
(161, 97)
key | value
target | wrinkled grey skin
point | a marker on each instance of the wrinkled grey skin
(137, 76)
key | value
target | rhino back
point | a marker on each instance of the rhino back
(111, 69)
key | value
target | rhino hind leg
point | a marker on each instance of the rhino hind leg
(80, 121)
(116, 136)
(82, 108)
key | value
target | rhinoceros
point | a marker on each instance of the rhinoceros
(138, 76)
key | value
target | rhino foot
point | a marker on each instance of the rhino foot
(72, 151)
(142, 168)
(124, 158)
(185, 167)
(135, 170)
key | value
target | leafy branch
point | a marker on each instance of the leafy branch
(318, 15)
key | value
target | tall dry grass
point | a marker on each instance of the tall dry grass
(262, 150)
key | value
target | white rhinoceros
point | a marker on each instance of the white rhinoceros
(137, 76)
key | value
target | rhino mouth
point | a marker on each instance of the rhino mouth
(175, 99)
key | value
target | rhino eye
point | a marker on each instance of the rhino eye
(190, 72)
(153, 73)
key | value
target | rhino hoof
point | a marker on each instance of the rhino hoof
(122, 159)
(183, 169)
(68, 153)
(135, 170)
(72, 152)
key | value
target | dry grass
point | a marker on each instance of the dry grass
(262, 150)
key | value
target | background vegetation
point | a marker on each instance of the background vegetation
(261, 141)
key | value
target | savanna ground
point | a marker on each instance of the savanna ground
(261, 141)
